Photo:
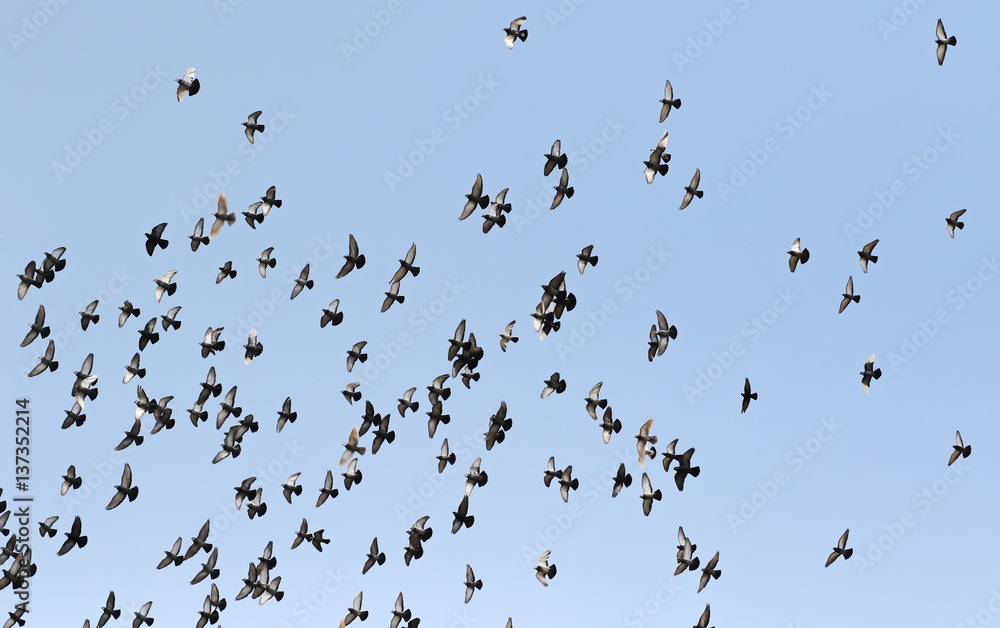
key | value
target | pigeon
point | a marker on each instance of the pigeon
(142, 616)
(207, 614)
(330, 315)
(354, 354)
(954, 222)
(609, 425)
(475, 477)
(328, 489)
(657, 162)
(53, 263)
(211, 343)
(392, 296)
(841, 549)
(303, 281)
(747, 395)
(148, 334)
(154, 239)
(132, 369)
(318, 540)
(47, 361)
(74, 417)
(108, 611)
(462, 516)
(406, 265)
(243, 491)
(684, 469)
(584, 257)
(457, 342)
(125, 489)
(270, 589)
(475, 198)
(648, 495)
(127, 311)
(471, 584)
(15, 617)
(514, 32)
(691, 190)
(436, 416)
(353, 258)
(225, 272)
(562, 190)
(960, 449)
(494, 217)
(594, 400)
(849, 295)
(72, 481)
(499, 424)
(621, 479)
(45, 528)
(266, 559)
(798, 254)
(209, 387)
(669, 456)
(399, 612)
(374, 556)
(355, 610)
(554, 384)
(173, 555)
(369, 418)
(222, 216)
(709, 571)
(265, 261)
(285, 415)
(644, 442)
(267, 201)
(352, 475)
(436, 390)
(943, 41)
(87, 316)
(28, 278)
(686, 560)
(131, 436)
(351, 392)
(253, 216)
(406, 403)
(351, 447)
(444, 458)
(187, 85)
(227, 407)
(291, 487)
(544, 570)
(506, 336)
(668, 102)
(382, 434)
(200, 542)
(198, 238)
(868, 374)
(660, 336)
(551, 472)
(251, 125)
(256, 507)
(865, 255)
(250, 583)
(554, 159)
(169, 320)
(567, 482)
(252, 347)
(302, 534)
(165, 285)
(706, 617)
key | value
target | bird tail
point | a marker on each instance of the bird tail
(960, 225)
(569, 194)
(951, 40)
(677, 105)
(276, 203)
(753, 396)
(658, 495)
(877, 373)
(552, 571)
(699, 193)
(390, 437)
(856, 298)
(523, 36)
(446, 393)
(134, 491)
(575, 484)
(471, 519)
(360, 262)
(400, 298)
(848, 553)
(363, 615)
(662, 169)
(310, 284)
(171, 289)
(563, 159)
(415, 270)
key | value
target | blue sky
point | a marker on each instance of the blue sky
(831, 123)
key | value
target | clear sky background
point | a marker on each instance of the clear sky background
(832, 123)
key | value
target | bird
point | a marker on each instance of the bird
(462, 516)
(74, 417)
(351, 447)
(225, 272)
(709, 571)
(355, 610)
(36, 328)
(265, 261)
(173, 555)
(187, 85)
(437, 390)
(475, 198)
(621, 479)
(555, 158)
(594, 400)
(303, 281)
(399, 612)
(868, 374)
(330, 315)
(494, 217)
(131, 436)
(70, 481)
(475, 477)
(567, 482)
(354, 259)
(514, 32)
(953, 222)
(351, 392)
(657, 162)
(544, 571)
(382, 434)
(45, 528)
(686, 560)
(705, 618)
(551, 472)
(154, 239)
(328, 489)
(291, 487)
(226, 407)
(108, 611)
(87, 316)
(648, 495)
(200, 542)
(406, 265)
(125, 489)
(165, 285)
(374, 556)
(406, 403)
(684, 469)
(506, 336)
(865, 255)
(669, 456)
(849, 295)
(211, 342)
(302, 534)
(943, 41)
(127, 311)
(392, 296)
(609, 425)
(266, 202)
(747, 395)
(251, 125)
(354, 354)
(691, 190)
(644, 443)
(198, 238)
(257, 507)
(562, 190)
(222, 216)
(148, 334)
(797, 254)
(47, 361)
(210, 387)
(253, 347)
(471, 583)
(444, 458)
(584, 257)
(142, 616)
(960, 449)
(668, 102)
(660, 336)
(436, 415)
(554, 384)
(52, 264)
(841, 549)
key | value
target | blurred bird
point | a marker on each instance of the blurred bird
(435, 416)
(127, 311)
(142, 616)
(567, 483)
(392, 296)
(331, 315)
(226, 407)
(165, 285)
(609, 425)
(328, 490)
(475, 198)
(954, 222)
(506, 336)
(303, 281)
(747, 395)
(554, 384)
(222, 216)
(868, 374)
(475, 477)
(849, 295)
(354, 354)
(351, 447)
(545, 571)
(555, 158)
(471, 584)
(399, 612)
(72, 481)
(355, 610)
(267, 201)
(47, 361)
(668, 102)
(514, 32)
(584, 257)
(265, 261)
(960, 449)
(444, 458)
(252, 347)
(562, 190)
(406, 265)
(551, 472)
(691, 190)
(684, 469)
(462, 516)
(406, 403)
(352, 475)
(125, 489)
(706, 617)
(353, 258)
(148, 334)
(798, 254)
(108, 611)
(87, 316)
(251, 125)
(200, 542)
(37, 328)
(865, 255)
(657, 162)
(351, 392)
(660, 336)
(211, 342)
(943, 41)
(225, 272)
(648, 495)
(285, 415)
(621, 479)
(709, 571)
(374, 556)
(841, 549)
(594, 400)
(187, 85)
(291, 487)
(169, 320)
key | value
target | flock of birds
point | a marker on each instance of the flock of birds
(464, 353)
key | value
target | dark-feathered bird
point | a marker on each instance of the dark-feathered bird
(187, 85)
(514, 32)
(154, 238)
(250, 126)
